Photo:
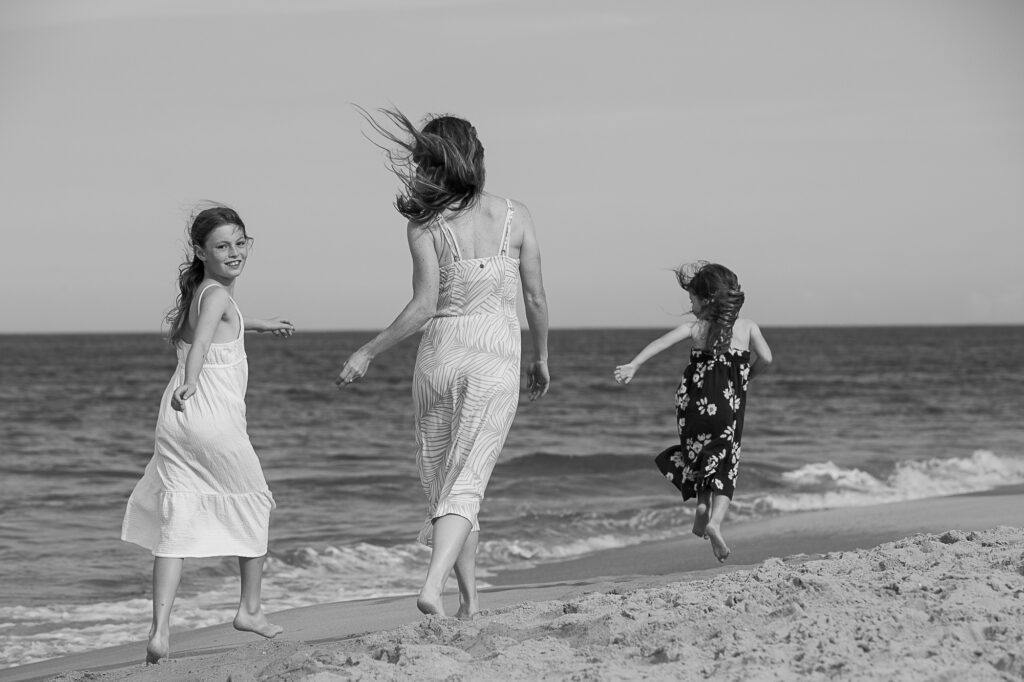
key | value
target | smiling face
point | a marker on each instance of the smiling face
(224, 252)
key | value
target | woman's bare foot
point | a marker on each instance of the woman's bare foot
(430, 604)
(159, 647)
(258, 623)
(718, 545)
(467, 611)
(700, 520)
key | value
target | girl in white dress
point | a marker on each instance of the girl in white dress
(203, 493)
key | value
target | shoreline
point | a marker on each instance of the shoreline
(785, 542)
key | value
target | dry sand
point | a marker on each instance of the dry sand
(933, 606)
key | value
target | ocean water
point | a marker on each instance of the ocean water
(848, 416)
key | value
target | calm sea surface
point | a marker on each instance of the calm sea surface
(848, 416)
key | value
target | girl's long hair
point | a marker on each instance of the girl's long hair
(441, 166)
(191, 271)
(719, 286)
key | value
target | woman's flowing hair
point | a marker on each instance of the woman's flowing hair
(191, 271)
(720, 287)
(441, 166)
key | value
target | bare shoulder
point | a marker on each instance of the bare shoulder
(745, 323)
(747, 327)
(519, 207)
(522, 221)
(211, 294)
(417, 231)
(422, 238)
(211, 302)
(521, 214)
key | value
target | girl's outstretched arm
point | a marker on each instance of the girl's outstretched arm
(211, 309)
(275, 325)
(419, 309)
(624, 373)
(762, 353)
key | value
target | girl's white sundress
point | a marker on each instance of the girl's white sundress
(203, 493)
(466, 381)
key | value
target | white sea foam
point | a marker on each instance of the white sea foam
(302, 578)
(826, 486)
(36, 633)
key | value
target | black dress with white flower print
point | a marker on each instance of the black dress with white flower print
(709, 408)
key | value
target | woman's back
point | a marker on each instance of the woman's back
(484, 284)
(479, 231)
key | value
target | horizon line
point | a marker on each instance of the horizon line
(866, 325)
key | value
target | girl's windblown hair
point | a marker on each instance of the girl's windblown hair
(191, 272)
(441, 166)
(720, 288)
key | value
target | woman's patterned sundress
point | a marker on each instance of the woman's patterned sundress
(466, 381)
(203, 493)
(709, 408)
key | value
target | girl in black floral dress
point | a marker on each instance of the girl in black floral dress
(727, 352)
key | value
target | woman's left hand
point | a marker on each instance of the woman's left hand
(538, 379)
(355, 367)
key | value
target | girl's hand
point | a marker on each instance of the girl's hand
(278, 327)
(355, 367)
(538, 379)
(624, 373)
(180, 395)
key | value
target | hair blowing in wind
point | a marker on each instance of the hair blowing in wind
(441, 166)
(720, 287)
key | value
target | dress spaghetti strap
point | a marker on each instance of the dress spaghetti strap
(199, 299)
(449, 238)
(507, 234)
(238, 312)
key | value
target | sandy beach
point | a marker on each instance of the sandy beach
(924, 590)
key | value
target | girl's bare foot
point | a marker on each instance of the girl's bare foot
(159, 647)
(431, 605)
(700, 520)
(718, 545)
(258, 623)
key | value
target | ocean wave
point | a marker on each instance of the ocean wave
(825, 485)
(557, 537)
(540, 464)
(35, 633)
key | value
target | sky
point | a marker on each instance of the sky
(855, 163)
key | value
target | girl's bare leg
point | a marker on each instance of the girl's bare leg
(465, 573)
(166, 577)
(719, 506)
(701, 516)
(450, 534)
(250, 616)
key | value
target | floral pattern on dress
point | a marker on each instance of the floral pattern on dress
(709, 412)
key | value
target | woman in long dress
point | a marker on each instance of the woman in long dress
(471, 250)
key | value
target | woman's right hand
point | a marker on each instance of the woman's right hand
(538, 379)
(180, 395)
(625, 373)
(354, 368)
